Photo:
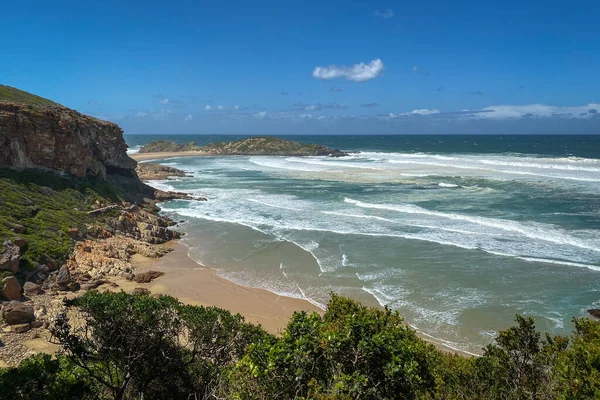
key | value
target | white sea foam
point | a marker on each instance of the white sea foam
(559, 262)
(346, 236)
(561, 168)
(447, 185)
(344, 260)
(134, 150)
(534, 231)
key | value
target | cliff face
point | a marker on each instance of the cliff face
(59, 138)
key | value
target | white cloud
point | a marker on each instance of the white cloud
(236, 107)
(220, 107)
(188, 118)
(319, 106)
(538, 110)
(164, 101)
(207, 108)
(358, 73)
(305, 116)
(387, 13)
(261, 114)
(503, 112)
(140, 114)
(422, 111)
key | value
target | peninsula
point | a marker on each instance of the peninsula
(254, 146)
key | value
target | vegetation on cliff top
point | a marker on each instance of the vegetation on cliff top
(121, 346)
(45, 205)
(8, 93)
(259, 145)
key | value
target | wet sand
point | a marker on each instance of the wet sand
(166, 154)
(191, 283)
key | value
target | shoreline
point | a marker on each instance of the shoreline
(165, 154)
(192, 283)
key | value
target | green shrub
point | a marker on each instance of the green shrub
(125, 346)
(352, 351)
(44, 377)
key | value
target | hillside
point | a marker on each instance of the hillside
(11, 94)
(259, 145)
(72, 210)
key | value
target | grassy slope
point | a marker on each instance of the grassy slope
(47, 205)
(8, 93)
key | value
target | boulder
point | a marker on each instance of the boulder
(21, 244)
(11, 288)
(20, 328)
(37, 324)
(64, 276)
(50, 263)
(88, 286)
(594, 312)
(10, 257)
(73, 233)
(17, 313)
(141, 290)
(31, 289)
(147, 277)
(18, 228)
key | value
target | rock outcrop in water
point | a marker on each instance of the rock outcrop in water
(151, 172)
(48, 135)
(255, 146)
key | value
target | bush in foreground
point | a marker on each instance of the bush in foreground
(121, 346)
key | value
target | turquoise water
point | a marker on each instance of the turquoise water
(459, 233)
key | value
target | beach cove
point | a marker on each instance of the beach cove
(458, 241)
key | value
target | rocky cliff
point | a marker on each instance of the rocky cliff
(47, 135)
(72, 230)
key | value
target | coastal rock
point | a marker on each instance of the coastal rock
(156, 234)
(594, 312)
(73, 233)
(10, 257)
(20, 328)
(161, 195)
(50, 263)
(149, 172)
(11, 288)
(48, 135)
(64, 276)
(147, 277)
(31, 289)
(141, 290)
(17, 228)
(17, 313)
(21, 244)
(89, 286)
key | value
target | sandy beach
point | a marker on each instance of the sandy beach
(160, 155)
(193, 284)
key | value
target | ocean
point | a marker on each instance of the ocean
(457, 233)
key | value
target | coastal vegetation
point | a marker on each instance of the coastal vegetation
(123, 346)
(41, 206)
(258, 145)
(72, 213)
(9, 93)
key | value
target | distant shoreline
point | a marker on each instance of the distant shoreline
(166, 154)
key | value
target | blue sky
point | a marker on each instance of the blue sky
(322, 67)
